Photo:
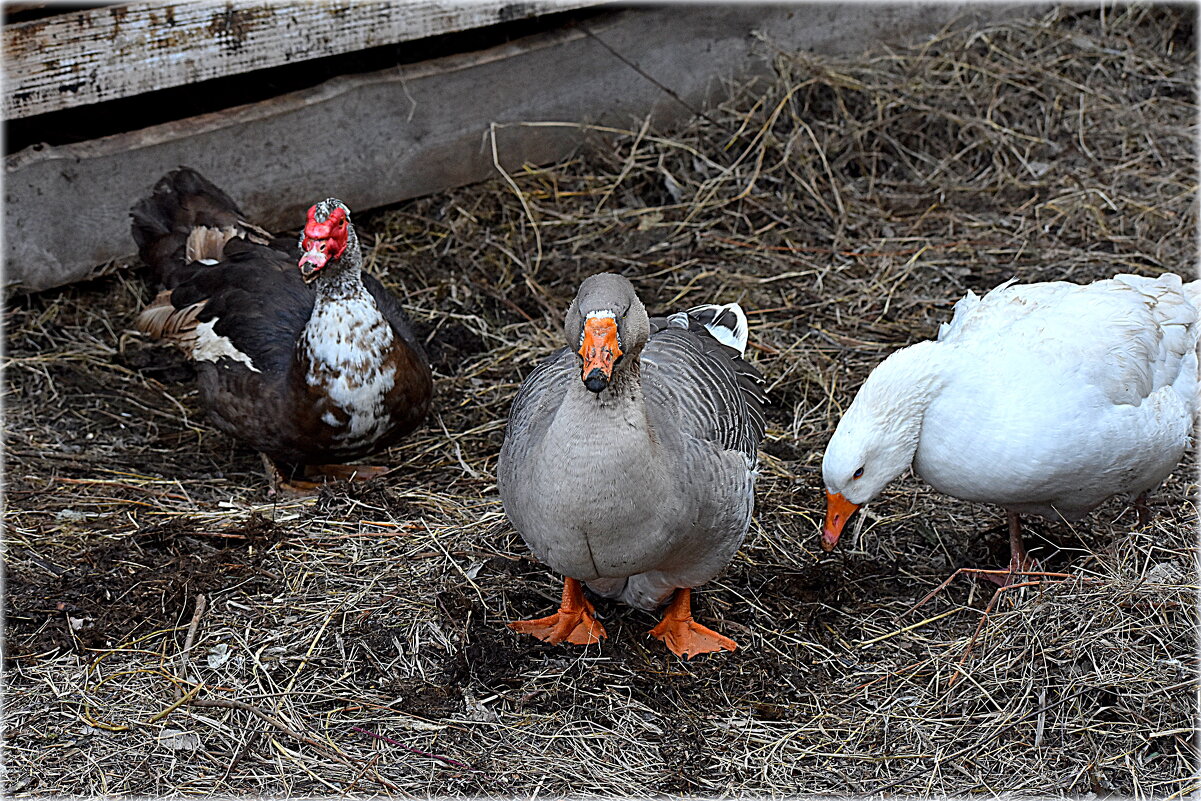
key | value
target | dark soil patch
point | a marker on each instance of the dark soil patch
(139, 583)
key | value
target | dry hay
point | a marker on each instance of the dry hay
(846, 203)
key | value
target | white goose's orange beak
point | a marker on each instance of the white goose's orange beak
(600, 351)
(838, 512)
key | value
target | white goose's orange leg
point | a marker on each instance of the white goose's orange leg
(683, 635)
(574, 622)
(1019, 562)
(1021, 567)
(1143, 509)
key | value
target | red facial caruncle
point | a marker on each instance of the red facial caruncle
(323, 240)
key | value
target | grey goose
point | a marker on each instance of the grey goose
(629, 460)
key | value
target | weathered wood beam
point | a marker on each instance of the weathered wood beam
(82, 57)
(380, 138)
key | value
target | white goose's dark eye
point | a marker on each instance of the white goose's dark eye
(858, 473)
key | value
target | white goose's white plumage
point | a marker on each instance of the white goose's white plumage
(1042, 398)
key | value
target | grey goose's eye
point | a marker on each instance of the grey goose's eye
(858, 474)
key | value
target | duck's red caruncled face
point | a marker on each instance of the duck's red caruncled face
(324, 240)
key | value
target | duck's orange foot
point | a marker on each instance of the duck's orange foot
(313, 476)
(575, 622)
(339, 472)
(279, 484)
(683, 635)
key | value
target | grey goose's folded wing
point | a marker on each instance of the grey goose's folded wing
(535, 405)
(718, 395)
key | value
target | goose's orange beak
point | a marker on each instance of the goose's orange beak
(838, 512)
(600, 351)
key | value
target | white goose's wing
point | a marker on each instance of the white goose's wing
(1128, 336)
(1171, 311)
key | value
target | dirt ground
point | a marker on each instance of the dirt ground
(171, 629)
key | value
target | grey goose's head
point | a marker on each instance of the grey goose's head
(605, 326)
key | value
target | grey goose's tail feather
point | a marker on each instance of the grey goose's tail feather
(727, 324)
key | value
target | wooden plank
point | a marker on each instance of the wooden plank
(18, 8)
(117, 51)
(380, 138)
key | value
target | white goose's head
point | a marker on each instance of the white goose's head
(877, 437)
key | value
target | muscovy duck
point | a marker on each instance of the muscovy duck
(298, 352)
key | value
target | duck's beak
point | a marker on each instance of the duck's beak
(313, 259)
(600, 351)
(838, 512)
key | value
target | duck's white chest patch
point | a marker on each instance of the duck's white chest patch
(348, 342)
(209, 346)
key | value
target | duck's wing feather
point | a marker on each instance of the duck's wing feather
(251, 308)
(186, 220)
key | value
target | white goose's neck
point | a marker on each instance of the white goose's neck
(903, 385)
(881, 430)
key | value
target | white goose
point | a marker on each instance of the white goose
(1042, 398)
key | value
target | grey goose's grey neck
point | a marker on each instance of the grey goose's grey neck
(604, 441)
(625, 384)
(615, 415)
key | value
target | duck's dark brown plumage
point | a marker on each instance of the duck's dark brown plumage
(307, 373)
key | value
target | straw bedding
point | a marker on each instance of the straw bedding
(172, 630)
